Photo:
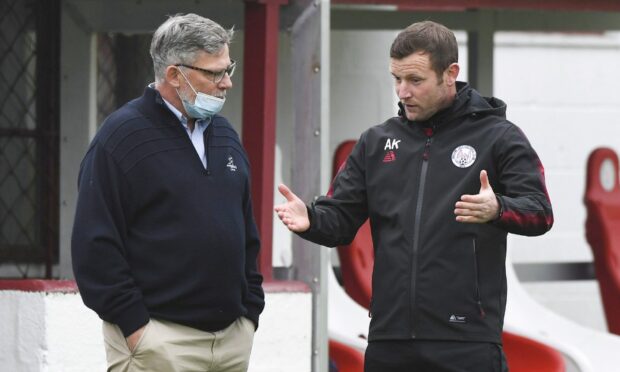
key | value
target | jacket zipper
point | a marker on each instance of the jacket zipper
(416, 226)
(477, 284)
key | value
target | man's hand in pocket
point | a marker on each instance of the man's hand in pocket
(133, 338)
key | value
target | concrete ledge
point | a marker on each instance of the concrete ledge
(46, 327)
(289, 286)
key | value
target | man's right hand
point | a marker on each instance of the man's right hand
(133, 338)
(293, 213)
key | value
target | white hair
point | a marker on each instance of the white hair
(182, 37)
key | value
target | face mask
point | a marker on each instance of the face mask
(204, 106)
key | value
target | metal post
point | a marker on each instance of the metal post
(47, 116)
(480, 53)
(310, 63)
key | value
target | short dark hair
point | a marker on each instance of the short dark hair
(429, 37)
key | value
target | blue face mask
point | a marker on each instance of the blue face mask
(204, 106)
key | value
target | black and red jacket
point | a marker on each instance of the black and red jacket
(435, 278)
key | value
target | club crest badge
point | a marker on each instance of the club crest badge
(463, 156)
(231, 164)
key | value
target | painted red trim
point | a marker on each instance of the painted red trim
(289, 286)
(69, 286)
(459, 5)
(273, 2)
(260, 73)
(39, 285)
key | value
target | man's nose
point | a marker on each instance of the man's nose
(402, 91)
(225, 83)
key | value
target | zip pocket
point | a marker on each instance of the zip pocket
(477, 281)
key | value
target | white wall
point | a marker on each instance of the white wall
(562, 90)
(48, 332)
(55, 332)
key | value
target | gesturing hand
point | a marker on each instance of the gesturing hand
(479, 208)
(293, 213)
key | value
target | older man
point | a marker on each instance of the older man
(164, 243)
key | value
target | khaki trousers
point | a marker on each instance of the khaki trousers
(170, 347)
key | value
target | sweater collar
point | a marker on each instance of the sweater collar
(153, 106)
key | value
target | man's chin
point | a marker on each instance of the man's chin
(413, 116)
(418, 116)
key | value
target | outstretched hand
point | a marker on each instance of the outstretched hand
(293, 213)
(480, 208)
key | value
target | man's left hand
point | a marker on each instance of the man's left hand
(480, 208)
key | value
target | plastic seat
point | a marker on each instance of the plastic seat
(347, 321)
(526, 355)
(602, 200)
(346, 358)
(584, 349)
(356, 259)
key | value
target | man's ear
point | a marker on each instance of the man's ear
(173, 76)
(451, 73)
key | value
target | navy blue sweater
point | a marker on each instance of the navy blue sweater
(158, 235)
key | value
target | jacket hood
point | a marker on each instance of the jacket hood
(467, 102)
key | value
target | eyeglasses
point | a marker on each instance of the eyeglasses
(216, 76)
